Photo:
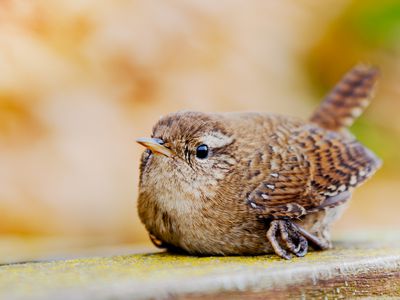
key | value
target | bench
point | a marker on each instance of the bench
(359, 265)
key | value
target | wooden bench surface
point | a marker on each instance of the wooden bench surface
(361, 265)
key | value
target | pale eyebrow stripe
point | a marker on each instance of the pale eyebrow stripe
(217, 139)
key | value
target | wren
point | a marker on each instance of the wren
(255, 183)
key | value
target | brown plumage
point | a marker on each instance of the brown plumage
(254, 183)
(347, 100)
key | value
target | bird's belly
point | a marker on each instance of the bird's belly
(236, 241)
(198, 229)
(207, 236)
(242, 234)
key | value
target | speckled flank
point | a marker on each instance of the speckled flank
(161, 275)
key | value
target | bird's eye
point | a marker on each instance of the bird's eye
(202, 151)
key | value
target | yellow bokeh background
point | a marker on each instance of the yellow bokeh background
(80, 80)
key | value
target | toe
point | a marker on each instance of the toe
(286, 237)
(302, 247)
(271, 235)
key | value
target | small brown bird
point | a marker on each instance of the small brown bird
(254, 183)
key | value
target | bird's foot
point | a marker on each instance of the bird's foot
(294, 242)
(295, 239)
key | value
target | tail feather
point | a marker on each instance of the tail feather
(348, 99)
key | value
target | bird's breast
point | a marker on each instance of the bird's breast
(168, 214)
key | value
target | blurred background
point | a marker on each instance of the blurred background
(80, 80)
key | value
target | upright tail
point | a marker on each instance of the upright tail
(348, 99)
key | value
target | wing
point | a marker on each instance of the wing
(310, 169)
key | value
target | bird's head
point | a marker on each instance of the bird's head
(188, 153)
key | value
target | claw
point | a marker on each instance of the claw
(295, 242)
(302, 247)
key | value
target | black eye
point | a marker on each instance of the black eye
(202, 151)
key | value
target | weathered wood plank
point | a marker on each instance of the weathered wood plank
(355, 268)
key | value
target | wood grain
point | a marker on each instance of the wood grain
(367, 265)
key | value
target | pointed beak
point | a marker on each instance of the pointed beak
(155, 146)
